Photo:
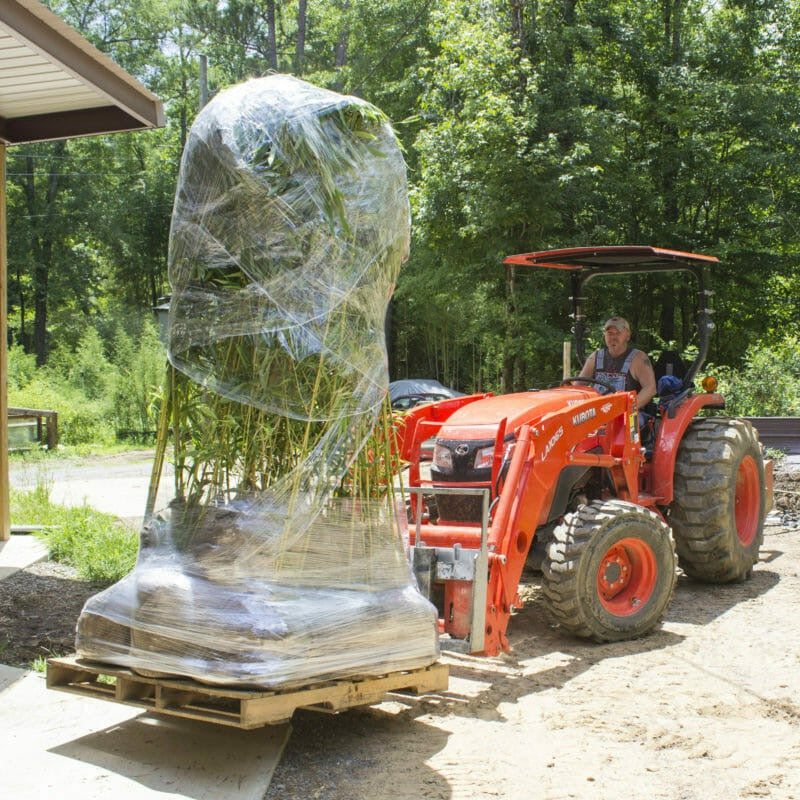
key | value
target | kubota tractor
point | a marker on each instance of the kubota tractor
(564, 471)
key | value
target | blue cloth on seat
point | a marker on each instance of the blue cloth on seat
(669, 385)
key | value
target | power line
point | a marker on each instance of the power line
(73, 174)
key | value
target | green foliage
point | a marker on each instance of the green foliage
(80, 419)
(525, 125)
(101, 548)
(767, 385)
(473, 192)
(39, 664)
(89, 369)
(139, 384)
(614, 144)
(95, 397)
(21, 367)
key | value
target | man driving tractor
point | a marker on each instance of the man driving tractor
(620, 366)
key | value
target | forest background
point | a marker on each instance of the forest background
(526, 125)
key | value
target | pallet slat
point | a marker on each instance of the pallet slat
(240, 708)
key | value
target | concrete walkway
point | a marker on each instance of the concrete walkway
(81, 748)
(19, 552)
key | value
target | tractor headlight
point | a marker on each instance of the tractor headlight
(483, 457)
(442, 458)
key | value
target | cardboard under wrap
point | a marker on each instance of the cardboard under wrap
(277, 558)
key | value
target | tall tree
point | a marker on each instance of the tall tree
(74, 198)
(527, 124)
(301, 36)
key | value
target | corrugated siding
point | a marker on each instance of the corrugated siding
(30, 84)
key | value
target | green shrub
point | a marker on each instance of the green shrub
(95, 397)
(80, 420)
(140, 374)
(98, 545)
(89, 370)
(768, 383)
(21, 367)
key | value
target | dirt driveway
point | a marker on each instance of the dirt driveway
(708, 708)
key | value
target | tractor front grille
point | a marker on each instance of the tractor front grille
(459, 507)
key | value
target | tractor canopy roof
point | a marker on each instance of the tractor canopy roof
(583, 264)
(613, 260)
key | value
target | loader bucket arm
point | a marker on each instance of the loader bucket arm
(544, 447)
(542, 451)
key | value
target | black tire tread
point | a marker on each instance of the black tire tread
(703, 511)
(561, 583)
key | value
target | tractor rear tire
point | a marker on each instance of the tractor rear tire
(610, 571)
(718, 512)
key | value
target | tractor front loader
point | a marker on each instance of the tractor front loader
(563, 471)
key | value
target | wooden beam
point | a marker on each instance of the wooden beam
(66, 124)
(5, 514)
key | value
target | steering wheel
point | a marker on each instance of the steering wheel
(598, 381)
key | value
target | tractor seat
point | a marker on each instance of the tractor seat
(669, 363)
(669, 370)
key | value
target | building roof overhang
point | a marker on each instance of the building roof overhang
(55, 85)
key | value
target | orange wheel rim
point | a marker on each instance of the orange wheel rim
(748, 500)
(626, 577)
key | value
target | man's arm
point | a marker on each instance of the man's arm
(642, 371)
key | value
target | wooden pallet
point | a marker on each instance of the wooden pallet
(225, 705)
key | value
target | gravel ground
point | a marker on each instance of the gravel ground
(38, 610)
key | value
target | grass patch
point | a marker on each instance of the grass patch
(775, 455)
(98, 545)
(39, 664)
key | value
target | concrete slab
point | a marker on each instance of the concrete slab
(19, 552)
(116, 485)
(81, 748)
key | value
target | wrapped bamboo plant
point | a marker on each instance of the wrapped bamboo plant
(275, 555)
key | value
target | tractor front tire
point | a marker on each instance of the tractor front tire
(717, 515)
(610, 571)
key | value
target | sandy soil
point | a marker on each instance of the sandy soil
(707, 708)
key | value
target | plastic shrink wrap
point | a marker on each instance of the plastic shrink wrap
(277, 557)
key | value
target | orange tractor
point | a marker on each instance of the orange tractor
(563, 473)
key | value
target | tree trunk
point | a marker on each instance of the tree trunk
(41, 276)
(671, 167)
(510, 366)
(43, 245)
(22, 339)
(667, 321)
(272, 39)
(523, 26)
(301, 35)
(670, 134)
(341, 45)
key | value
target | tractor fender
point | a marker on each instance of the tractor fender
(670, 433)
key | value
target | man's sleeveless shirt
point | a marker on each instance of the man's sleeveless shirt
(616, 371)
